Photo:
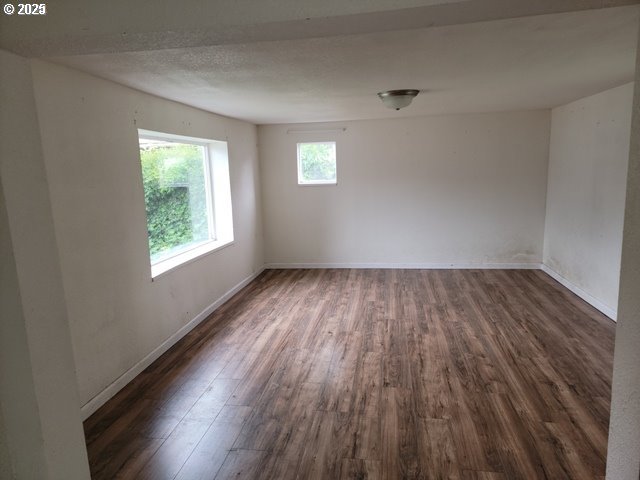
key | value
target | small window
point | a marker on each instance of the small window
(317, 163)
(187, 197)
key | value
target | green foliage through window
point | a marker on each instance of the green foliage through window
(175, 195)
(317, 162)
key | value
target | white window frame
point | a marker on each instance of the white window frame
(303, 182)
(218, 197)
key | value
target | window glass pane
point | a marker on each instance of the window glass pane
(317, 162)
(175, 194)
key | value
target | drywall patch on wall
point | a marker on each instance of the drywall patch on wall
(117, 315)
(589, 149)
(461, 189)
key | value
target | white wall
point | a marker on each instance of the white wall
(41, 425)
(6, 467)
(589, 151)
(117, 314)
(623, 450)
(461, 189)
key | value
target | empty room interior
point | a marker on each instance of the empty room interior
(392, 239)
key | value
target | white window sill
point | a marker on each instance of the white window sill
(166, 266)
(317, 184)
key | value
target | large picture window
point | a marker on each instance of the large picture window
(187, 197)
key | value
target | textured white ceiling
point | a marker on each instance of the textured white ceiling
(523, 63)
(74, 27)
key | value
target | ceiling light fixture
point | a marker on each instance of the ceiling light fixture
(398, 99)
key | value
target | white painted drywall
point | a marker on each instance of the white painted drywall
(6, 467)
(22, 455)
(623, 452)
(41, 423)
(117, 314)
(461, 189)
(588, 157)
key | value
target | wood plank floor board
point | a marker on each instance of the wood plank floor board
(519, 457)
(437, 456)
(241, 464)
(136, 458)
(212, 400)
(320, 456)
(476, 475)
(208, 456)
(176, 449)
(372, 374)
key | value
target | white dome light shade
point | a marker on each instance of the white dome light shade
(398, 99)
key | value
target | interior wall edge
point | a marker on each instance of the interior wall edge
(105, 395)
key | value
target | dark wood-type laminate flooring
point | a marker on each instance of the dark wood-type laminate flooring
(467, 374)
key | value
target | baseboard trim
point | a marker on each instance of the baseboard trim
(590, 299)
(105, 395)
(420, 266)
